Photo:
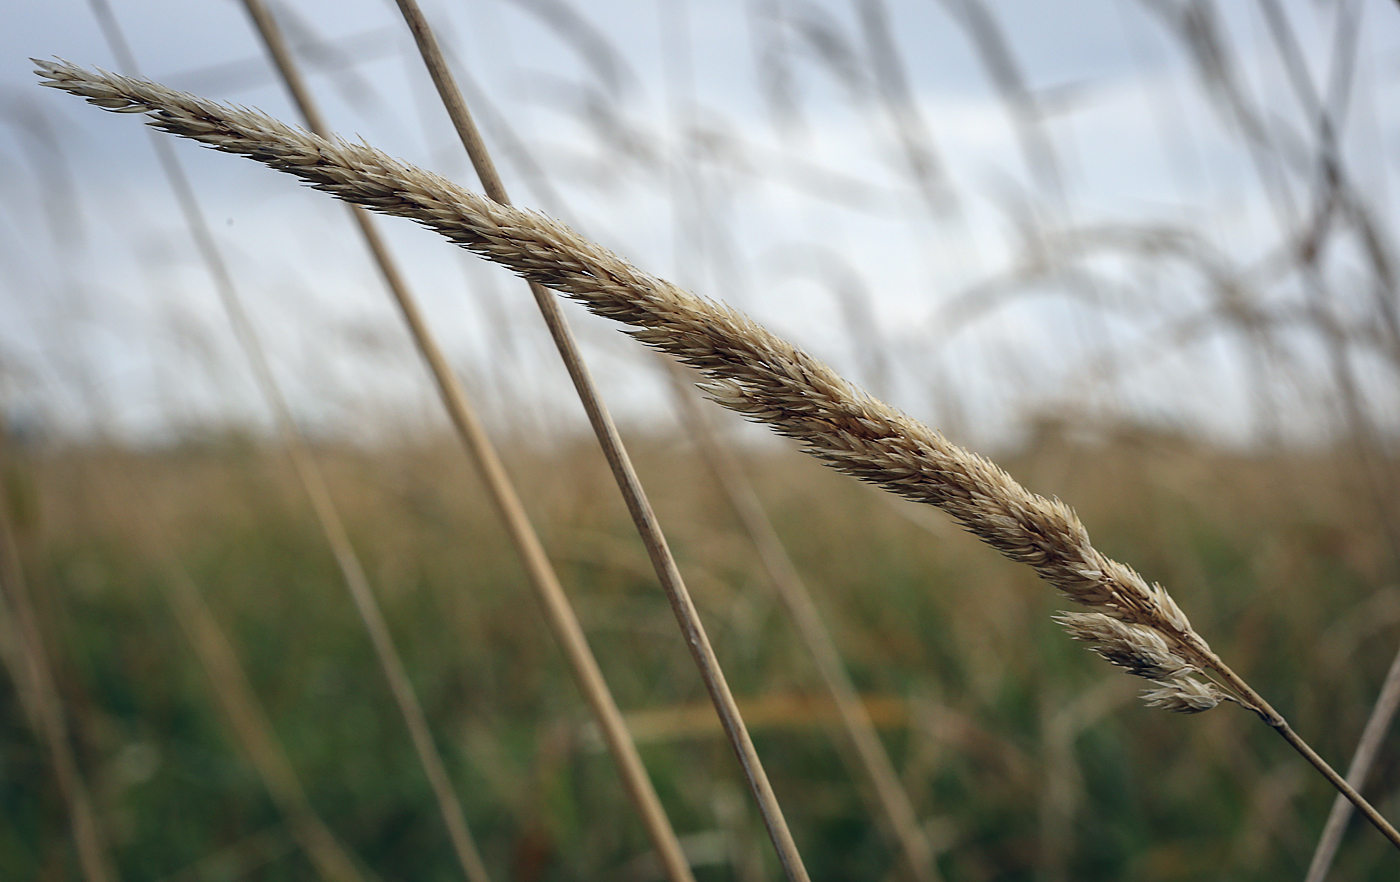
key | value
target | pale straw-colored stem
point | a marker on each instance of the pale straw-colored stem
(559, 612)
(887, 791)
(754, 373)
(874, 760)
(216, 653)
(1276, 721)
(253, 730)
(1377, 724)
(309, 475)
(663, 562)
(229, 683)
(28, 662)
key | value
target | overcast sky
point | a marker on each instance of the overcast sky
(758, 152)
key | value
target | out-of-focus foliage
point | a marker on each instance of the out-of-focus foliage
(1026, 756)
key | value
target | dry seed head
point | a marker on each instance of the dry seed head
(1137, 648)
(1185, 696)
(1144, 651)
(750, 370)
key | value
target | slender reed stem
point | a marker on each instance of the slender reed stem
(23, 649)
(1275, 720)
(1382, 714)
(888, 793)
(252, 728)
(618, 460)
(309, 475)
(468, 425)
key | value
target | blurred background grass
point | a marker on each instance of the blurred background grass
(1138, 252)
(1028, 757)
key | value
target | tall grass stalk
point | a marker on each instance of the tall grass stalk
(228, 681)
(620, 463)
(874, 762)
(253, 729)
(862, 749)
(1367, 748)
(559, 611)
(309, 475)
(23, 653)
(1130, 623)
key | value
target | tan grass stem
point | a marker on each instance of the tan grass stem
(309, 475)
(252, 728)
(1133, 624)
(231, 688)
(1382, 715)
(663, 562)
(229, 682)
(887, 791)
(559, 612)
(22, 643)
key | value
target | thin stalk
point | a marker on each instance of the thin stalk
(1330, 183)
(616, 454)
(889, 794)
(24, 654)
(252, 728)
(560, 614)
(313, 482)
(1255, 702)
(1382, 714)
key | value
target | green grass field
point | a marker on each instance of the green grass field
(1026, 756)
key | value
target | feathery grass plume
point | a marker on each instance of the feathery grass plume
(1145, 652)
(753, 372)
(750, 370)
